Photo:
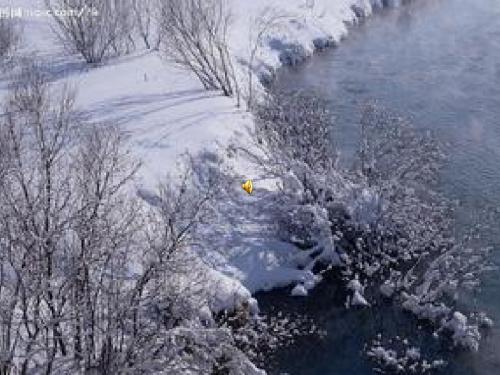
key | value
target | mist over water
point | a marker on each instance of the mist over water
(436, 62)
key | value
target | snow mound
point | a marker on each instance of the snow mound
(299, 291)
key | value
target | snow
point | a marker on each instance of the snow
(358, 299)
(463, 334)
(166, 113)
(308, 24)
(485, 321)
(299, 291)
(428, 311)
(406, 360)
(413, 353)
(387, 356)
(366, 208)
(227, 292)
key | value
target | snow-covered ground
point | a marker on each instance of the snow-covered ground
(166, 112)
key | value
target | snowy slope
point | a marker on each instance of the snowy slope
(164, 108)
(166, 113)
(306, 25)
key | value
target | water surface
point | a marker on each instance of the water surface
(438, 63)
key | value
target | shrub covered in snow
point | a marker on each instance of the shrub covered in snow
(297, 127)
(96, 29)
(405, 359)
(381, 223)
(413, 238)
(294, 130)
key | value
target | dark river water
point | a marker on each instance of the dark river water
(436, 62)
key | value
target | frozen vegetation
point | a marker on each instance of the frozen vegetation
(127, 244)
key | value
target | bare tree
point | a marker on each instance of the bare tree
(146, 21)
(96, 29)
(35, 198)
(195, 37)
(268, 21)
(126, 22)
(92, 279)
(10, 35)
(100, 240)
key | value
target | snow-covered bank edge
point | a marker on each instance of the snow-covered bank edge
(310, 26)
(293, 32)
(165, 112)
(245, 257)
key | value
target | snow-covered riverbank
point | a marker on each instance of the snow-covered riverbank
(166, 113)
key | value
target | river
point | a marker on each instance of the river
(437, 62)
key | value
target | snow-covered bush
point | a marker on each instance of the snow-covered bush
(297, 126)
(382, 223)
(412, 242)
(396, 216)
(95, 29)
(194, 35)
(294, 130)
(403, 359)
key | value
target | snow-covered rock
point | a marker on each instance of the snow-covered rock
(484, 320)
(357, 299)
(228, 293)
(299, 290)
